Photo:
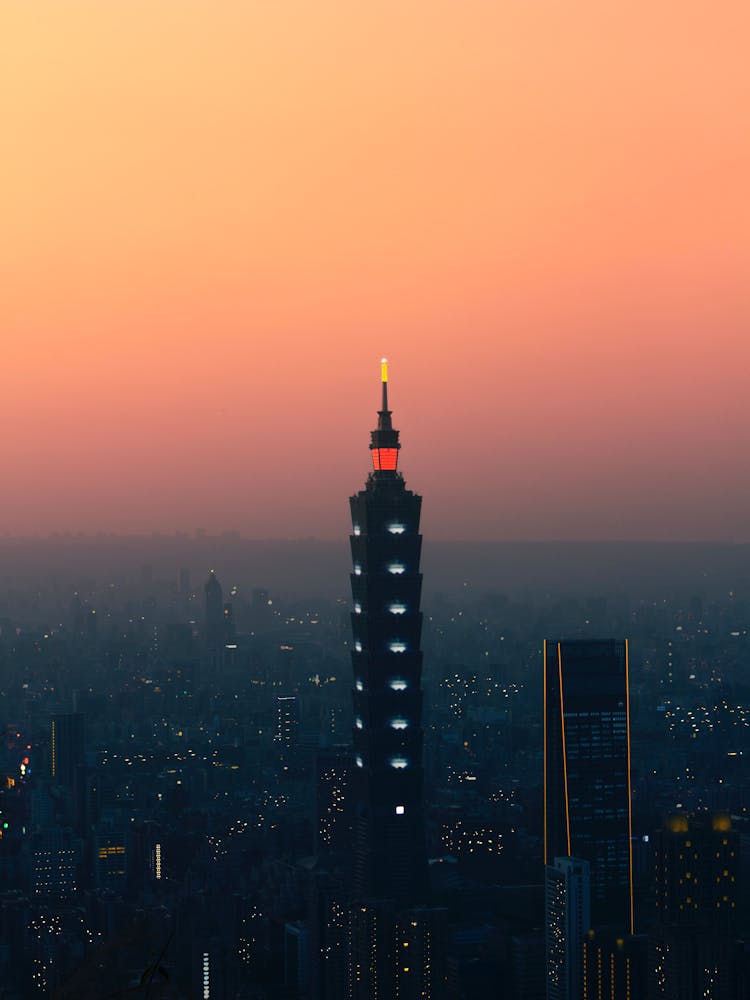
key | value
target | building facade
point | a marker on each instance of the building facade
(587, 804)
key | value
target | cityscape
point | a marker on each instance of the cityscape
(215, 790)
(374, 519)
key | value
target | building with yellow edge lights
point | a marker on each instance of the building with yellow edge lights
(587, 795)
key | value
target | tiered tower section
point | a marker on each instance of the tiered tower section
(390, 854)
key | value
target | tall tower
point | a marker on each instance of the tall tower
(587, 810)
(387, 786)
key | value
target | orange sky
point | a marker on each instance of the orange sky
(216, 215)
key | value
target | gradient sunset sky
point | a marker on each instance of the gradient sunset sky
(217, 215)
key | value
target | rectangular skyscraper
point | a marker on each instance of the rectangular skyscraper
(587, 809)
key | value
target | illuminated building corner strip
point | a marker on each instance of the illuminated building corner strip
(545, 749)
(564, 746)
(630, 802)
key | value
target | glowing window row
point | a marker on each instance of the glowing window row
(395, 684)
(384, 459)
(396, 608)
(393, 529)
(394, 723)
(394, 568)
(395, 647)
(399, 763)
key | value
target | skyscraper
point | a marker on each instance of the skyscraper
(396, 945)
(214, 606)
(568, 918)
(333, 828)
(587, 810)
(390, 853)
(286, 732)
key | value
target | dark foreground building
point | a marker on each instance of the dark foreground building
(587, 811)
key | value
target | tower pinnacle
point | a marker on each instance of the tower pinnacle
(384, 444)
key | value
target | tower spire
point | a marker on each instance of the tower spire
(384, 411)
(384, 444)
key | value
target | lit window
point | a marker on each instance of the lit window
(395, 568)
(397, 685)
(358, 609)
(400, 810)
(359, 685)
(358, 761)
(397, 647)
(397, 608)
(357, 530)
(397, 529)
(359, 724)
(358, 646)
(399, 763)
(357, 569)
(399, 724)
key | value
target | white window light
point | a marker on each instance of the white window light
(400, 810)
(359, 724)
(357, 608)
(357, 569)
(396, 568)
(399, 763)
(357, 530)
(358, 761)
(399, 723)
(397, 684)
(358, 646)
(397, 529)
(397, 646)
(359, 685)
(397, 608)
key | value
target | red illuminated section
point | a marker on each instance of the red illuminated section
(384, 459)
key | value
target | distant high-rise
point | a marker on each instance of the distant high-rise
(214, 607)
(390, 852)
(567, 919)
(66, 747)
(286, 733)
(587, 809)
(697, 892)
(333, 767)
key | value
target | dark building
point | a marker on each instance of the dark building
(614, 966)
(287, 721)
(567, 919)
(214, 607)
(66, 747)
(693, 952)
(333, 767)
(587, 810)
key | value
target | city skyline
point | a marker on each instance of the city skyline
(217, 218)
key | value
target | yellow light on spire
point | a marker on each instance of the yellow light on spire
(384, 369)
